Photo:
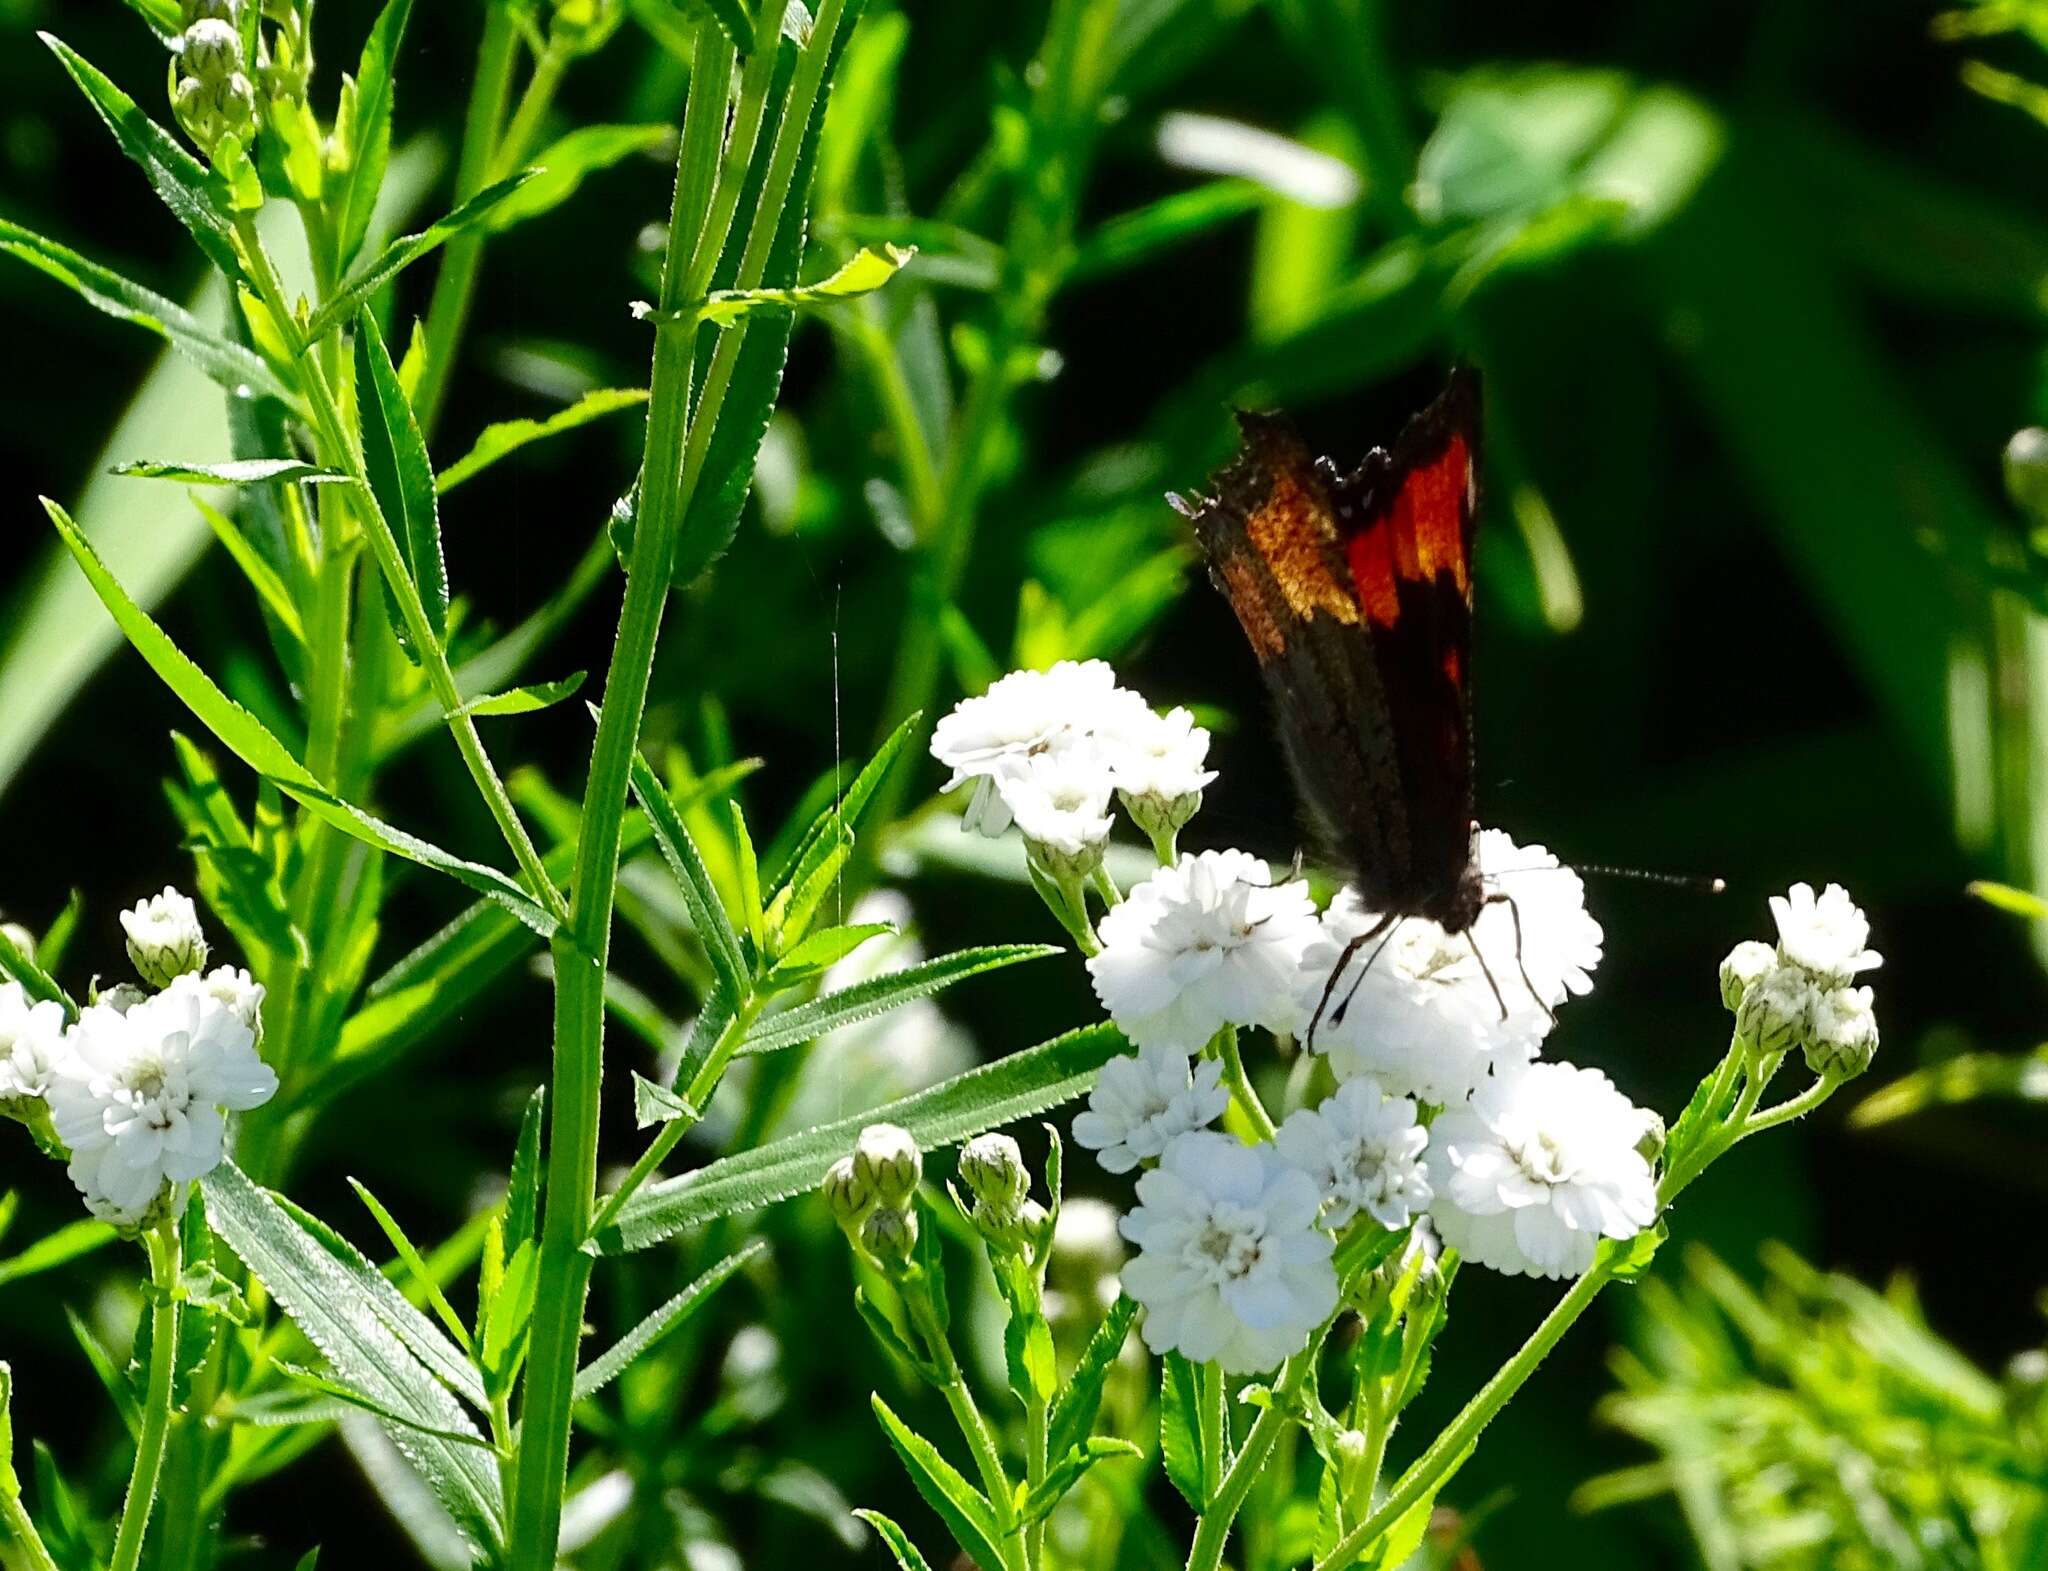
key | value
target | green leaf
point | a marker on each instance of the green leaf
(657, 1104)
(1074, 1408)
(372, 276)
(246, 737)
(263, 578)
(525, 700)
(820, 951)
(1179, 1446)
(508, 436)
(1015, 1087)
(511, 1312)
(2003, 897)
(963, 1508)
(416, 1268)
(877, 995)
(363, 1401)
(238, 369)
(57, 1249)
(233, 471)
(601, 1371)
(840, 820)
(700, 895)
(1137, 236)
(907, 1557)
(728, 472)
(35, 981)
(401, 476)
(203, 1286)
(733, 21)
(102, 1363)
(865, 272)
(522, 1195)
(187, 188)
(369, 143)
(1067, 1471)
(560, 167)
(330, 1306)
(421, 1337)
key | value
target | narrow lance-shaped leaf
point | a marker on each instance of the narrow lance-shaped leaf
(562, 165)
(402, 478)
(508, 436)
(238, 369)
(331, 1309)
(402, 253)
(963, 1508)
(863, 273)
(369, 148)
(878, 995)
(525, 700)
(263, 578)
(601, 1371)
(1075, 1407)
(248, 739)
(841, 819)
(231, 471)
(186, 186)
(1011, 1088)
(1067, 1471)
(907, 1557)
(700, 894)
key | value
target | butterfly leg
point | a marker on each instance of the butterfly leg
(1384, 926)
(1515, 911)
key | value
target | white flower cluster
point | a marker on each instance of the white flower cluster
(1048, 750)
(139, 1086)
(1442, 1109)
(1803, 993)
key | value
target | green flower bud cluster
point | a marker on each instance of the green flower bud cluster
(993, 1171)
(871, 1195)
(210, 89)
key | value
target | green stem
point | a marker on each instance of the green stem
(1447, 1451)
(340, 451)
(995, 1480)
(14, 1516)
(164, 1267)
(1035, 1465)
(1212, 1531)
(1797, 1107)
(1240, 1083)
(580, 957)
(448, 309)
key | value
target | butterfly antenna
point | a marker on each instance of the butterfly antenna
(1698, 883)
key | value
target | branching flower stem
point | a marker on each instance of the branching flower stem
(581, 950)
(164, 1270)
(1240, 1083)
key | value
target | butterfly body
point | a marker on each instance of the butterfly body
(1355, 593)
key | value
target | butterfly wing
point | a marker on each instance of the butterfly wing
(1356, 595)
(1405, 522)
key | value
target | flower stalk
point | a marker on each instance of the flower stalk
(163, 1244)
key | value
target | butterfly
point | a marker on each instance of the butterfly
(1355, 593)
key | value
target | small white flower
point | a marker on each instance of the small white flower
(31, 1042)
(1060, 800)
(1425, 1007)
(1363, 1148)
(1844, 1033)
(140, 1097)
(1826, 935)
(164, 937)
(1163, 756)
(233, 987)
(990, 737)
(1142, 1100)
(1537, 1168)
(1208, 942)
(1231, 1264)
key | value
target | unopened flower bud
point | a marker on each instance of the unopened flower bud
(889, 1235)
(210, 110)
(1161, 817)
(992, 1168)
(1844, 1033)
(888, 1161)
(210, 51)
(1349, 1446)
(2026, 472)
(1776, 1014)
(846, 1193)
(164, 937)
(1651, 1146)
(229, 11)
(1747, 962)
(21, 938)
